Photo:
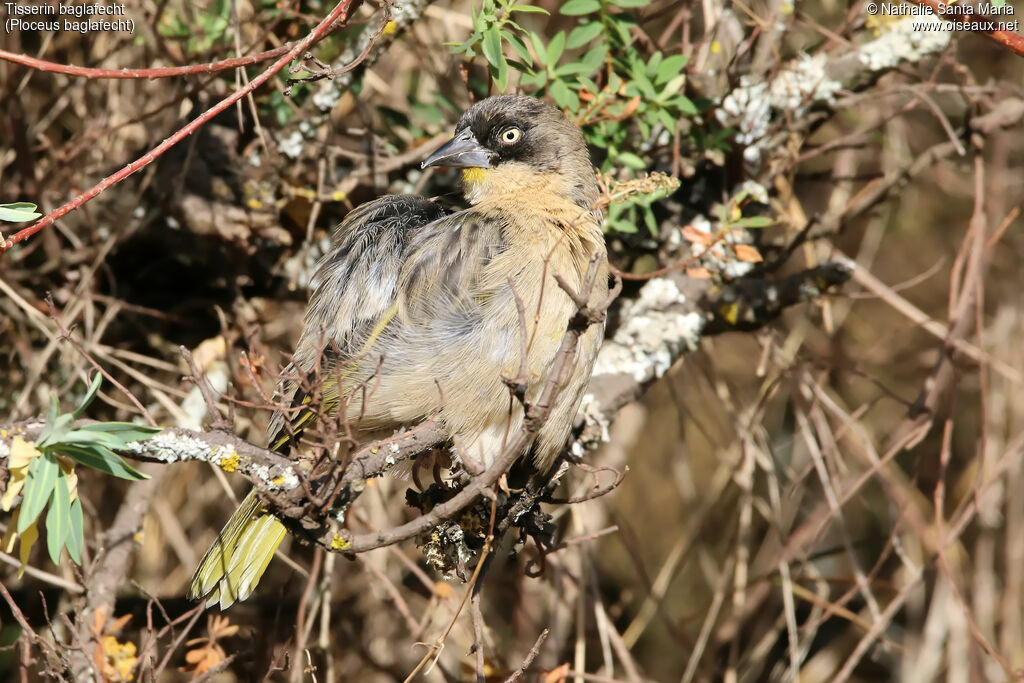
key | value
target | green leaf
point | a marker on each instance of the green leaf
(555, 49)
(42, 475)
(100, 458)
(625, 226)
(518, 45)
(538, 47)
(629, 4)
(667, 120)
(669, 68)
(594, 58)
(652, 64)
(76, 538)
(685, 105)
(492, 46)
(58, 518)
(535, 80)
(754, 222)
(18, 212)
(500, 75)
(563, 96)
(649, 220)
(94, 387)
(581, 35)
(126, 431)
(576, 8)
(528, 8)
(52, 412)
(632, 161)
(85, 437)
(622, 28)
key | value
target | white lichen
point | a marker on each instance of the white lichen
(909, 39)
(652, 335)
(590, 411)
(170, 447)
(292, 145)
(752, 107)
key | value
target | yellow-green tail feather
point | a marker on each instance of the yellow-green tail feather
(235, 562)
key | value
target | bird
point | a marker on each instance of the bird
(425, 303)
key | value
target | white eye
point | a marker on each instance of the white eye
(511, 136)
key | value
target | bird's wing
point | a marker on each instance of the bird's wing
(354, 299)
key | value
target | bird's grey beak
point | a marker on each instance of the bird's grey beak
(462, 151)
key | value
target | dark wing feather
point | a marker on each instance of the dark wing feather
(354, 291)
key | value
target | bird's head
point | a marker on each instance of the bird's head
(517, 143)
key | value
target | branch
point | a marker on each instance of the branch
(158, 72)
(340, 13)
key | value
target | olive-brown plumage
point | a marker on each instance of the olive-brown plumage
(421, 304)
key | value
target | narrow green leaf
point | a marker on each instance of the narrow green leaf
(126, 431)
(622, 28)
(666, 119)
(685, 105)
(492, 46)
(649, 220)
(82, 437)
(630, 4)
(18, 212)
(653, 63)
(555, 49)
(669, 68)
(535, 80)
(594, 58)
(76, 537)
(581, 35)
(571, 69)
(90, 394)
(559, 92)
(42, 475)
(500, 75)
(576, 8)
(754, 222)
(538, 47)
(100, 458)
(52, 411)
(625, 226)
(58, 518)
(518, 45)
(631, 160)
(532, 9)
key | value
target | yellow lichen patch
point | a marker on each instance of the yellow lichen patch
(119, 659)
(230, 462)
(390, 28)
(339, 543)
(278, 481)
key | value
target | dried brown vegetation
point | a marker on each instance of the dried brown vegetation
(828, 491)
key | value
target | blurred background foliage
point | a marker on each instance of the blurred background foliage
(727, 561)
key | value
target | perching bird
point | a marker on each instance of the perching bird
(421, 305)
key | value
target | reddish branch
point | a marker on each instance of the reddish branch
(159, 72)
(1007, 39)
(340, 13)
